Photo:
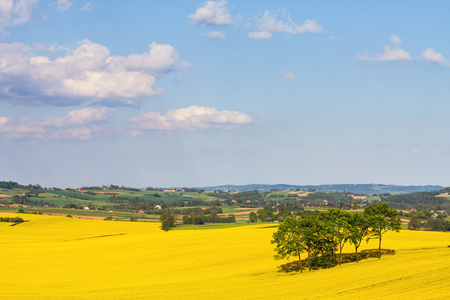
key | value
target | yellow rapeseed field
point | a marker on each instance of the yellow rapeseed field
(53, 257)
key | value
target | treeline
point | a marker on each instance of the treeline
(419, 200)
(323, 234)
(335, 197)
(12, 219)
(203, 219)
(14, 185)
(27, 199)
(429, 220)
(124, 188)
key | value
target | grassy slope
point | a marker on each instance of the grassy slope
(56, 257)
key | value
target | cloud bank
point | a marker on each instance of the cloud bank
(88, 73)
(81, 124)
(190, 118)
(14, 13)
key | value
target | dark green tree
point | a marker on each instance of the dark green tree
(382, 218)
(166, 221)
(414, 222)
(435, 224)
(358, 230)
(311, 236)
(252, 217)
(340, 221)
(288, 240)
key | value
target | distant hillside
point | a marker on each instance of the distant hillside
(368, 189)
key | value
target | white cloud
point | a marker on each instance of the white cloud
(215, 35)
(391, 53)
(88, 6)
(289, 75)
(212, 13)
(81, 124)
(88, 73)
(395, 40)
(15, 12)
(280, 21)
(63, 5)
(82, 116)
(260, 35)
(436, 57)
(190, 118)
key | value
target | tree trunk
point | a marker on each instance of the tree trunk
(340, 255)
(309, 261)
(300, 262)
(357, 256)
(379, 247)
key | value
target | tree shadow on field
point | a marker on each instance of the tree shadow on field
(346, 258)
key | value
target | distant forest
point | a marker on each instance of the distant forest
(367, 189)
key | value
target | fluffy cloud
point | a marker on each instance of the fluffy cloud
(215, 35)
(81, 124)
(63, 5)
(260, 35)
(88, 73)
(391, 52)
(280, 21)
(289, 75)
(436, 57)
(15, 12)
(190, 118)
(212, 13)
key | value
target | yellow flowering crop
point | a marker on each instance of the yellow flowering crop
(53, 257)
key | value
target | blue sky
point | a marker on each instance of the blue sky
(198, 93)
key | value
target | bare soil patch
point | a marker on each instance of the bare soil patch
(3, 196)
(444, 195)
(359, 197)
(190, 196)
(303, 194)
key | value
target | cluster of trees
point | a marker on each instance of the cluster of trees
(267, 215)
(419, 200)
(12, 219)
(193, 190)
(167, 221)
(124, 188)
(9, 185)
(429, 220)
(28, 200)
(322, 234)
(14, 185)
(203, 219)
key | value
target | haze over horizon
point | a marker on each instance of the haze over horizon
(206, 93)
